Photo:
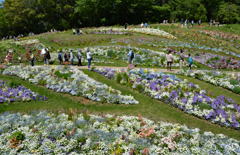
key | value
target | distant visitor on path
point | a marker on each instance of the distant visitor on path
(79, 57)
(32, 58)
(146, 24)
(60, 58)
(131, 56)
(89, 58)
(125, 26)
(181, 59)
(74, 31)
(142, 25)
(48, 56)
(66, 56)
(170, 60)
(192, 22)
(71, 57)
(182, 23)
(190, 61)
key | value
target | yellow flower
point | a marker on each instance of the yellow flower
(145, 71)
(49, 114)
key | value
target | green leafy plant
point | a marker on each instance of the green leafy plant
(18, 135)
(236, 90)
(119, 77)
(233, 82)
(63, 75)
(43, 83)
(14, 84)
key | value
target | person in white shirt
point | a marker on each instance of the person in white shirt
(89, 58)
(74, 31)
(169, 58)
(71, 57)
(131, 56)
(79, 57)
(142, 25)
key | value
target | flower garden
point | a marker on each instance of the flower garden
(112, 109)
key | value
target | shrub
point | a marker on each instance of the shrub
(233, 82)
(14, 84)
(139, 88)
(236, 89)
(43, 83)
(119, 77)
(62, 75)
(203, 106)
(18, 135)
(110, 53)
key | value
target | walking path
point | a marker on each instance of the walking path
(158, 69)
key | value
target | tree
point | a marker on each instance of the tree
(228, 13)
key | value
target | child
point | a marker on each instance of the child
(190, 61)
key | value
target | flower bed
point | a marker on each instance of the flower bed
(217, 61)
(14, 92)
(216, 78)
(183, 95)
(75, 82)
(105, 32)
(54, 133)
(150, 31)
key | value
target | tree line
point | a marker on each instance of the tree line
(24, 16)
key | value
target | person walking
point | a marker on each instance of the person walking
(199, 23)
(181, 59)
(48, 56)
(60, 58)
(89, 58)
(192, 22)
(186, 23)
(125, 26)
(170, 60)
(146, 24)
(66, 56)
(74, 31)
(190, 61)
(79, 57)
(142, 25)
(182, 23)
(71, 57)
(32, 58)
(131, 56)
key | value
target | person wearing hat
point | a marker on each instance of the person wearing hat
(79, 57)
(60, 57)
(131, 56)
(181, 59)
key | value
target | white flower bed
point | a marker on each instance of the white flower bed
(149, 31)
(77, 84)
(47, 133)
(217, 81)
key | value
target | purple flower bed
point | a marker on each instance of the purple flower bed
(17, 94)
(181, 94)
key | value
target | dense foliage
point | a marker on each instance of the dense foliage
(24, 16)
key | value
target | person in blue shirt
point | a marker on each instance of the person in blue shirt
(182, 23)
(60, 58)
(190, 61)
(146, 24)
(131, 56)
(192, 22)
